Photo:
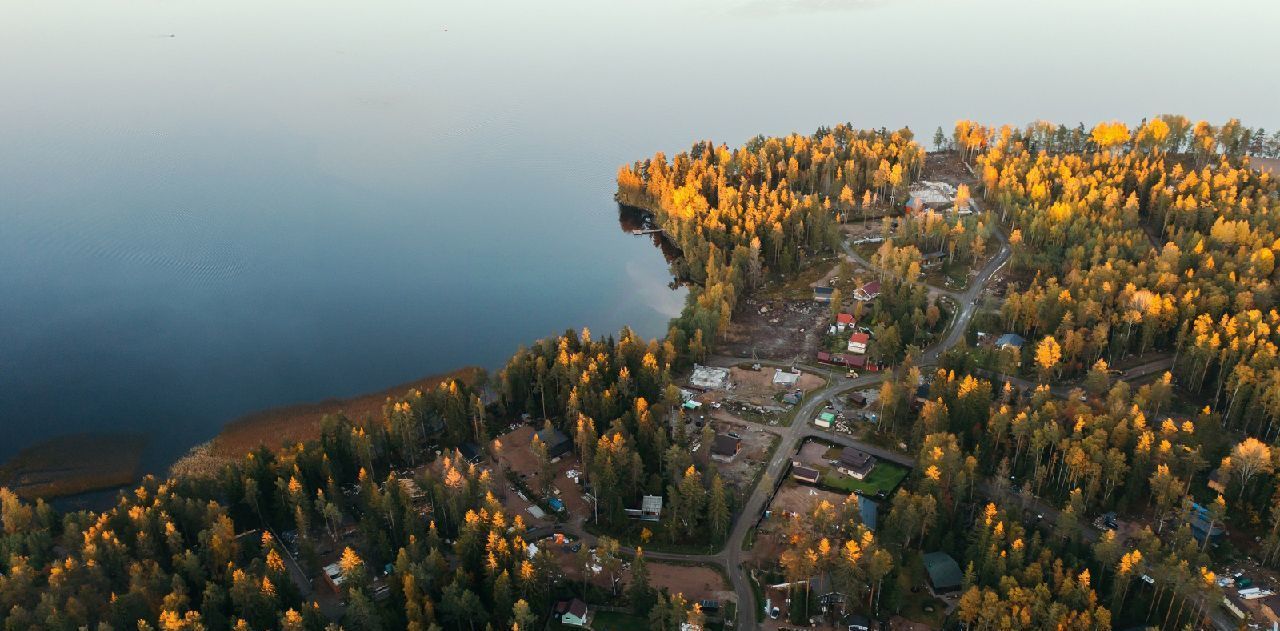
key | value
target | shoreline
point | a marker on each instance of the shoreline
(286, 425)
(70, 478)
(76, 466)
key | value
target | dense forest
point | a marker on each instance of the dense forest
(762, 210)
(640, 444)
(1157, 239)
(1126, 241)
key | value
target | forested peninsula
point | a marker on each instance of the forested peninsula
(1035, 386)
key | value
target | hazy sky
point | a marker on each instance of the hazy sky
(211, 207)
(653, 74)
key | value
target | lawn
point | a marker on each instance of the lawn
(619, 621)
(952, 276)
(867, 250)
(630, 534)
(917, 604)
(798, 286)
(615, 620)
(886, 476)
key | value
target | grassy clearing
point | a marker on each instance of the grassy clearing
(867, 250)
(919, 606)
(886, 476)
(798, 286)
(616, 620)
(631, 536)
(952, 276)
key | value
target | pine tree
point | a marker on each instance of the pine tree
(522, 616)
(639, 592)
(718, 510)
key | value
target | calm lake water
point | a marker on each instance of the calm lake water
(207, 208)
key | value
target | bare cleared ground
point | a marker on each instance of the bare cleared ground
(791, 498)
(945, 167)
(740, 473)
(796, 498)
(696, 582)
(898, 623)
(812, 454)
(754, 397)
(863, 229)
(787, 330)
(516, 456)
(782, 322)
(757, 387)
(515, 453)
(780, 598)
(1266, 165)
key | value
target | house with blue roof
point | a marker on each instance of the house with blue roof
(869, 512)
(1011, 339)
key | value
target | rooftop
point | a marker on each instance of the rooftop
(855, 457)
(470, 451)
(869, 512)
(651, 503)
(725, 445)
(709, 377)
(575, 607)
(932, 192)
(334, 572)
(551, 437)
(785, 377)
(944, 572)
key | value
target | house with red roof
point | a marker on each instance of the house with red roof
(858, 343)
(844, 321)
(572, 613)
(869, 291)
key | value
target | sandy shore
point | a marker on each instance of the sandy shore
(78, 463)
(289, 425)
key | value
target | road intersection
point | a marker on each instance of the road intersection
(790, 438)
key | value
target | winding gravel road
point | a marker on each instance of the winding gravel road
(790, 438)
(800, 430)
